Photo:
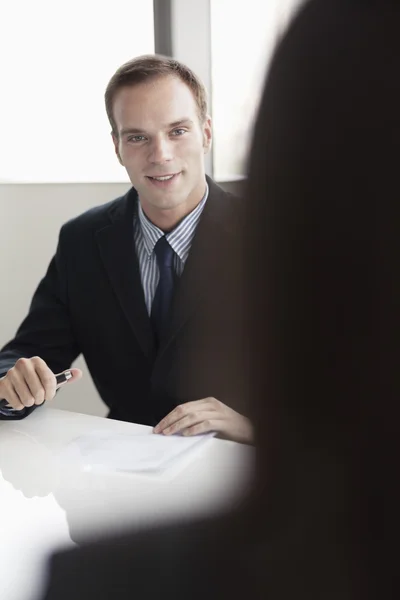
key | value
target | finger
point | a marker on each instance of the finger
(12, 398)
(172, 417)
(20, 383)
(47, 384)
(238, 430)
(206, 426)
(39, 378)
(76, 374)
(181, 424)
(179, 412)
(188, 421)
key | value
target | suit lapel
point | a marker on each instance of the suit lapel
(207, 260)
(117, 250)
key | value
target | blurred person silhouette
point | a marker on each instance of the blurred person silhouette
(323, 240)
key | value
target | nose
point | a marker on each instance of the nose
(160, 151)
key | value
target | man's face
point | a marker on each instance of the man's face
(160, 135)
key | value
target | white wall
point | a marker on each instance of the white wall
(30, 219)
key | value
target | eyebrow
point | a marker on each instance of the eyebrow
(133, 130)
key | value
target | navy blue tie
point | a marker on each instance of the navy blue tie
(162, 301)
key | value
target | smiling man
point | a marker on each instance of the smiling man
(147, 286)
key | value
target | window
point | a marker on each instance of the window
(243, 38)
(57, 58)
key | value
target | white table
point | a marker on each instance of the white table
(44, 507)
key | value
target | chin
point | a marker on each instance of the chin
(169, 203)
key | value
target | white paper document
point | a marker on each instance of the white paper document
(135, 453)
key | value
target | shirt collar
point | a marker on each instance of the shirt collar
(179, 238)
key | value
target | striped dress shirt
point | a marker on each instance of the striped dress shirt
(147, 235)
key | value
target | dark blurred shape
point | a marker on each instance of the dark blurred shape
(323, 249)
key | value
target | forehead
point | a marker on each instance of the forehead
(154, 103)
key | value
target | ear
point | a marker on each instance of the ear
(116, 147)
(207, 134)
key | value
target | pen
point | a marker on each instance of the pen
(63, 377)
(60, 378)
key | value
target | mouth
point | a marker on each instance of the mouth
(163, 180)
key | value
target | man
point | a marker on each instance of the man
(144, 286)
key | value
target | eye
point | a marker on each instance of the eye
(178, 132)
(136, 138)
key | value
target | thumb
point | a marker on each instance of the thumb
(76, 374)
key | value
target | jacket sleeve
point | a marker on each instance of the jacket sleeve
(47, 330)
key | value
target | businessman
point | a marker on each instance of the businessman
(145, 287)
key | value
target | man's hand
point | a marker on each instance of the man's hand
(203, 416)
(31, 382)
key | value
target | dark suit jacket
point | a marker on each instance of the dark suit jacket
(91, 301)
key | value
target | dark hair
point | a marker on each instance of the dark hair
(147, 67)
